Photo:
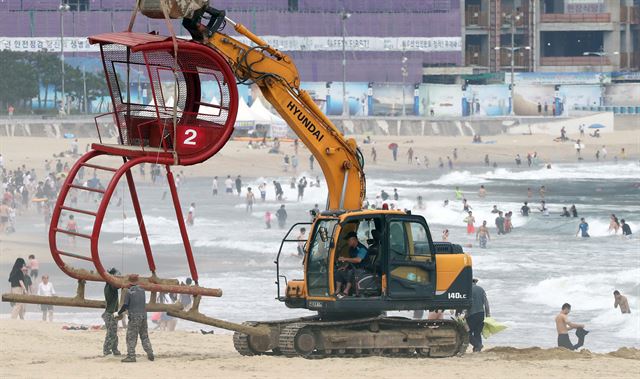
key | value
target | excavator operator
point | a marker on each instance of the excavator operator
(357, 257)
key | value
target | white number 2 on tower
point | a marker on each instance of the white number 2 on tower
(191, 136)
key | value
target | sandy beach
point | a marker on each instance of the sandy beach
(29, 350)
(32, 348)
(236, 158)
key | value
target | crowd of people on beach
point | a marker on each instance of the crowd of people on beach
(29, 190)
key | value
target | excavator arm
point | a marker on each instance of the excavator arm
(277, 77)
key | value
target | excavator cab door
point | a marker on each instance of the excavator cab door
(410, 259)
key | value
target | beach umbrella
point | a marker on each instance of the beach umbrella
(596, 126)
(491, 327)
(393, 146)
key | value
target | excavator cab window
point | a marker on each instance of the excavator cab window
(369, 234)
(318, 261)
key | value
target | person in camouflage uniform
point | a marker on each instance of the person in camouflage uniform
(134, 303)
(110, 322)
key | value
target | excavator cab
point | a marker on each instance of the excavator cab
(403, 269)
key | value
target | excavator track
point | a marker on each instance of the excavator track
(379, 336)
(241, 342)
(249, 345)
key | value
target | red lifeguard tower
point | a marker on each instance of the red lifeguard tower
(186, 115)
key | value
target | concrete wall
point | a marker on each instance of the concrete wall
(454, 126)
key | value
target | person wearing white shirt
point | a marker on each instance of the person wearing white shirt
(214, 186)
(228, 185)
(45, 288)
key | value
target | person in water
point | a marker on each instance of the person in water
(614, 224)
(574, 211)
(563, 325)
(525, 210)
(483, 235)
(470, 220)
(621, 301)
(583, 228)
(626, 229)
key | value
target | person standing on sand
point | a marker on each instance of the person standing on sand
(563, 325)
(483, 235)
(110, 322)
(34, 267)
(16, 278)
(621, 301)
(4, 216)
(475, 319)
(445, 235)
(134, 303)
(45, 288)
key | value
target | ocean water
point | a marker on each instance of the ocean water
(527, 274)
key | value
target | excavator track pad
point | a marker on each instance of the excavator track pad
(379, 336)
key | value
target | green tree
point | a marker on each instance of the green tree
(18, 83)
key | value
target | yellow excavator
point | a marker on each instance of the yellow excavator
(403, 269)
(384, 260)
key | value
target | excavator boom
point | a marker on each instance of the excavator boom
(277, 77)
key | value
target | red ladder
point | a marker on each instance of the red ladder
(151, 283)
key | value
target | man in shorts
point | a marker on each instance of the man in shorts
(563, 325)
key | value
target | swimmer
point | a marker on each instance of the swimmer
(626, 229)
(583, 228)
(614, 224)
(459, 194)
(525, 210)
(482, 192)
(621, 301)
(563, 325)
(470, 220)
(483, 235)
(543, 208)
